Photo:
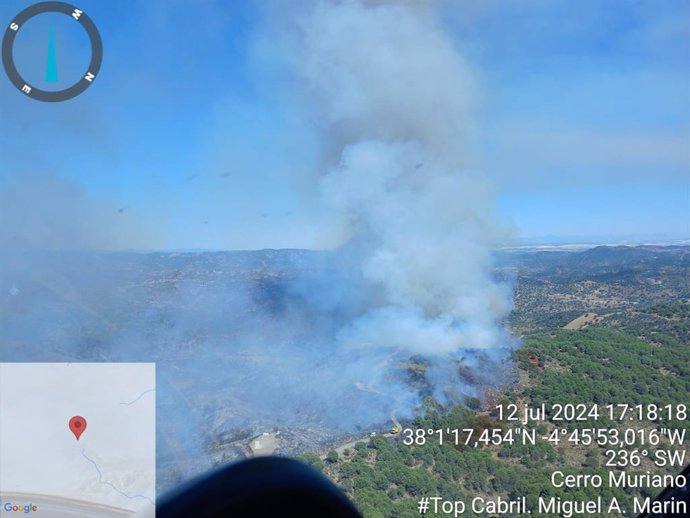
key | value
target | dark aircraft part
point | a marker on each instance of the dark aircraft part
(263, 486)
(679, 494)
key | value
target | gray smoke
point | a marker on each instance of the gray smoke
(44, 211)
(395, 99)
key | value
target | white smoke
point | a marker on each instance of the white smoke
(395, 99)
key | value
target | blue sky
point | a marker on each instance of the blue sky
(190, 137)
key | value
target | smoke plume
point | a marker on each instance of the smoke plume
(394, 100)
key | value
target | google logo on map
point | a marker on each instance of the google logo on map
(14, 508)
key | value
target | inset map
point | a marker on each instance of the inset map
(77, 439)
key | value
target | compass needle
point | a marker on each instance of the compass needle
(51, 64)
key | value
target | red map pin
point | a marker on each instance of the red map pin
(77, 424)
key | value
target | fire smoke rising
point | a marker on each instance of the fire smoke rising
(395, 99)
